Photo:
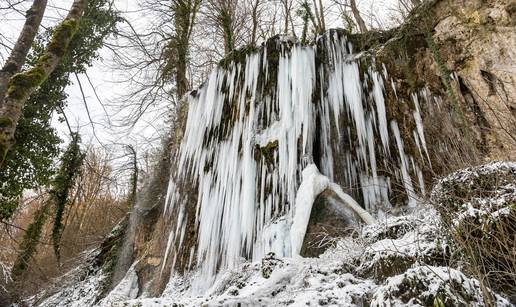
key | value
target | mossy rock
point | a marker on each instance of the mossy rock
(269, 263)
(478, 206)
(108, 255)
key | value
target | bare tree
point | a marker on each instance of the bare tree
(255, 8)
(351, 5)
(287, 6)
(19, 53)
(319, 14)
(225, 19)
(358, 18)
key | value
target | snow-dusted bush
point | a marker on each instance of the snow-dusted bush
(432, 286)
(478, 206)
(398, 243)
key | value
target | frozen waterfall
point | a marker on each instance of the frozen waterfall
(255, 124)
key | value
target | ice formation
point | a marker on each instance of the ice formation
(253, 127)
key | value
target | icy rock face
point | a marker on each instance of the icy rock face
(126, 289)
(253, 127)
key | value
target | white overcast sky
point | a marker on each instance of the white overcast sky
(104, 78)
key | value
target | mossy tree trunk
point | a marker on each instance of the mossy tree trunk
(177, 50)
(19, 53)
(22, 85)
(185, 17)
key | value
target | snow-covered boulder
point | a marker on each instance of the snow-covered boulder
(432, 286)
(397, 243)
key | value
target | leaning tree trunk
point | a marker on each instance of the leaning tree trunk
(19, 53)
(358, 18)
(22, 85)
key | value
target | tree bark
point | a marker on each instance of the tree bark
(254, 18)
(184, 18)
(358, 18)
(321, 13)
(286, 8)
(22, 85)
(19, 53)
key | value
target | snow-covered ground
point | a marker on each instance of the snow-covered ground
(353, 272)
(395, 262)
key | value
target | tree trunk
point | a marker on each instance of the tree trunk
(185, 13)
(287, 10)
(22, 85)
(321, 12)
(358, 18)
(19, 53)
(254, 19)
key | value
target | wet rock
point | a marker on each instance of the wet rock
(269, 263)
(330, 218)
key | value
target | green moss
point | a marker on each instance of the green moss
(62, 36)
(237, 56)
(21, 84)
(266, 153)
(30, 242)
(4, 148)
(109, 252)
(5, 122)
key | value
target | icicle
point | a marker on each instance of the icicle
(380, 108)
(407, 181)
(313, 184)
(250, 202)
(419, 126)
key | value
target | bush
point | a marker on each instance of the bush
(478, 207)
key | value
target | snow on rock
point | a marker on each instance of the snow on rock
(400, 242)
(432, 286)
(478, 195)
(340, 276)
(483, 181)
(126, 289)
(79, 287)
(478, 208)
